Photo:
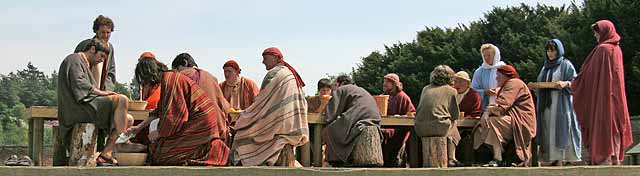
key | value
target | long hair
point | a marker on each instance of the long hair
(149, 71)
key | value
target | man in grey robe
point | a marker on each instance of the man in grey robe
(80, 101)
(350, 109)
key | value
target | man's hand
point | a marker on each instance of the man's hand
(492, 92)
(134, 129)
(103, 92)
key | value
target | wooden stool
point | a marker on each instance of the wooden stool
(83, 145)
(368, 148)
(434, 152)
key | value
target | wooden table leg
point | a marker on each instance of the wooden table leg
(36, 136)
(317, 145)
(305, 152)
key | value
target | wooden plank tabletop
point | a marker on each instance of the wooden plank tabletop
(51, 113)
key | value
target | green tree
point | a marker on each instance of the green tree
(520, 32)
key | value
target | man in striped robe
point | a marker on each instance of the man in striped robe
(277, 118)
(188, 132)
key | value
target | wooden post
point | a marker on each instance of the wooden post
(36, 137)
(83, 145)
(434, 152)
(305, 154)
(368, 148)
(317, 145)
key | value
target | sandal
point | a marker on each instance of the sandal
(11, 161)
(107, 162)
(25, 161)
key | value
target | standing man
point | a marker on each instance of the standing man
(104, 73)
(241, 92)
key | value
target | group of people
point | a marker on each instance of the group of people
(190, 121)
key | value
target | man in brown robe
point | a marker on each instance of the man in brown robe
(511, 119)
(350, 109)
(186, 65)
(239, 91)
(80, 101)
(399, 104)
(438, 111)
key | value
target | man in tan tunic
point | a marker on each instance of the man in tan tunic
(241, 92)
(511, 119)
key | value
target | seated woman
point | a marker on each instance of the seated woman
(511, 118)
(187, 129)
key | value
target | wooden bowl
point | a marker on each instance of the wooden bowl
(131, 159)
(137, 105)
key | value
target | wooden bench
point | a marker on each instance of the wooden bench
(38, 114)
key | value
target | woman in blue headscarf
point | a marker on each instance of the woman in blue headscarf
(484, 78)
(558, 132)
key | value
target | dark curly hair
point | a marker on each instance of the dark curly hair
(102, 21)
(441, 75)
(99, 46)
(149, 71)
(344, 79)
(183, 59)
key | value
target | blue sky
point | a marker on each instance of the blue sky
(316, 37)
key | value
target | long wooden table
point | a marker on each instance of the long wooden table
(38, 114)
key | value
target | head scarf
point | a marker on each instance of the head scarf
(147, 54)
(395, 79)
(276, 52)
(547, 73)
(233, 64)
(607, 32)
(510, 72)
(496, 59)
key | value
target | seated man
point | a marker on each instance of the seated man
(239, 91)
(188, 132)
(438, 111)
(185, 64)
(511, 119)
(317, 103)
(350, 109)
(399, 104)
(276, 122)
(468, 99)
(80, 101)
